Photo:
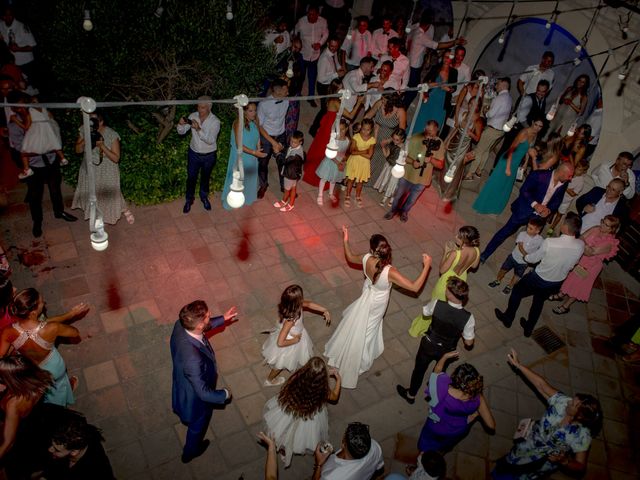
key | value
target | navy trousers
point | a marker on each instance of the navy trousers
(531, 284)
(196, 431)
(199, 163)
(509, 228)
(263, 163)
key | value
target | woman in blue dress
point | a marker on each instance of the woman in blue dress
(251, 151)
(437, 97)
(495, 194)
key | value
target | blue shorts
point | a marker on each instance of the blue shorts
(510, 263)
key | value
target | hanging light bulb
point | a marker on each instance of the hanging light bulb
(398, 169)
(229, 10)
(289, 72)
(160, 10)
(552, 111)
(448, 177)
(501, 38)
(547, 25)
(577, 61)
(578, 48)
(235, 198)
(87, 24)
(622, 74)
(509, 125)
(332, 147)
(572, 130)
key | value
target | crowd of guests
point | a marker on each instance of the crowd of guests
(459, 124)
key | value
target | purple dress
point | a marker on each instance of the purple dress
(447, 421)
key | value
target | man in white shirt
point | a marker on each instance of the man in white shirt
(355, 82)
(621, 169)
(329, 69)
(400, 72)
(528, 81)
(496, 116)
(384, 80)
(358, 44)
(597, 203)
(313, 32)
(272, 114)
(464, 71)
(20, 41)
(381, 38)
(557, 256)
(359, 457)
(278, 38)
(201, 157)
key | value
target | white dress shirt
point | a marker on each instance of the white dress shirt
(529, 243)
(272, 115)
(464, 75)
(380, 42)
(533, 75)
(469, 331)
(419, 40)
(327, 67)
(602, 175)
(311, 33)
(601, 210)
(400, 72)
(203, 140)
(354, 82)
(500, 109)
(23, 38)
(551, 189)
(373, 98)
(359, 46)
(336, 468)
(557, 256)
(269, 40)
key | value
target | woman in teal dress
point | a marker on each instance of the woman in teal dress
(250, 153)
(495, 194)
(437, 97)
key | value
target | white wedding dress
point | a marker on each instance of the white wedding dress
(357, 341)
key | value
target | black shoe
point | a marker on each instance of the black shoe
(206, 203)
(313, 103)
(527, 329)
(67, 217)
(37, 230)
(203, 446)
(187, 206)
(261, 192)
(404, 217)
(503, 318)
(389, 215)
(404, 393)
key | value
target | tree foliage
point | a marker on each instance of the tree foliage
(131, 55)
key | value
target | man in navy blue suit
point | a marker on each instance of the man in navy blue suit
(195, 374)
(541, 194)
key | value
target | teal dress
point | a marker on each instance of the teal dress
(495, 194)
(433, 109)
(250, 139)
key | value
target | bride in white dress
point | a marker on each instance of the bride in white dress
(357, 341)
(297, 418)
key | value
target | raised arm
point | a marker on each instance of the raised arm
(271, 464)
(442, 361)
(316, 307)
(413, 286)
(76, 311)
(351, 257)
(543, 387)
(334, 394)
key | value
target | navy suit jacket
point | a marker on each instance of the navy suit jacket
(594, 195)
(533, 190)
(195, 374)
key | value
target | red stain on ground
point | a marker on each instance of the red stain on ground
(243, 253)
(32, 258)
(113, 295)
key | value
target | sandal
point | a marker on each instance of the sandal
(561, 310)
(129, 216)
(347, 202)
(359, 202)
(73, 380)
(556, 297)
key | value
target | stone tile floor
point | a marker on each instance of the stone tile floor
(245, 258)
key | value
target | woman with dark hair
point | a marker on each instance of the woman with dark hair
(357, 341)
(387, 114)
(572, 104)
(496, 192)
(574, 147)
(456, 401)
(251, 152)
(297, 418)
(34, 336)
(559, 440)
(315, 154)
(105, 155)
(459, 256)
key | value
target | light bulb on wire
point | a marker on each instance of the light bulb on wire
(235, 198)
(331, 151)
(572, 130)
(289, 72)
(547, 25)
(578, 48)
(87, 24)
(229, 10)
(622, 74)
(509, 125)
(552, 111)
(398, 169)
(501, 38)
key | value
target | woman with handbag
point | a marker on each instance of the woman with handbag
(601, 245)
(559, 440)
(497, 190)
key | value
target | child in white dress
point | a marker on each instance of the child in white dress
(297, 417)
(290, 346)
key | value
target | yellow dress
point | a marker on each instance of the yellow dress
(420, 324)
(359, 167)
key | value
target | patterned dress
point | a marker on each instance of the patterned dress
(110, 200)
(386, 126)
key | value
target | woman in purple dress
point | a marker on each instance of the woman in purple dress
(456, 401)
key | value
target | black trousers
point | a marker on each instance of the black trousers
(531, 284)
(427, 353)
(263, 163)
(321, 89)
(50, 176)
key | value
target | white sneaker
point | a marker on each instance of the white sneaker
(276, 381)
(279, 204)
(25, 174)
(320, 201)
